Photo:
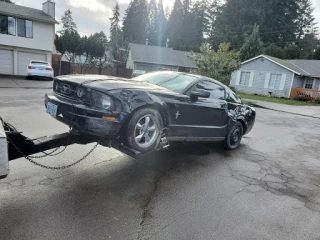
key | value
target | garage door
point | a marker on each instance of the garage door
(24, 59)
(6, 61)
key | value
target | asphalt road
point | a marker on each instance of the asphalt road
(267, 189)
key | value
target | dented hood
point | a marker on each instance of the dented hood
(108, 83)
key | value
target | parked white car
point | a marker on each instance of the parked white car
(39, 69)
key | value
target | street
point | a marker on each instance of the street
(269, 188)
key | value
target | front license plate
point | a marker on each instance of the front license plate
(52, 109)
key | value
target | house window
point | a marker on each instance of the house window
(7, 25)
(25, 28)
(245, 78)
(275, 80)
(309, 84)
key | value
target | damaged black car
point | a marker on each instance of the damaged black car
(140, 111)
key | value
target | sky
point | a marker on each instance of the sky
(93, 15)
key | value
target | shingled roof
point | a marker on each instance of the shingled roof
(159, 55)
(309, 68)
(11, 9)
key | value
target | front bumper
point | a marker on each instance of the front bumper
(85, 119)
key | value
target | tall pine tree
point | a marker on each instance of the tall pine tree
(116, 39)
(135, 21)
(151, 33)
(175, 25)
(253, 45)
(161, 25)
(67, 23)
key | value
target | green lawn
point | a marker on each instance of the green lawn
(276, 100)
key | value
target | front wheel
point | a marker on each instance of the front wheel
(233, 139)
(144, 129)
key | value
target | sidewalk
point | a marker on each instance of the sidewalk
(309, 111)
(22, 82)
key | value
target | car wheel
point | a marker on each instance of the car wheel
(233, 139)
(144, 129)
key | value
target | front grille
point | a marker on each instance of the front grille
(72, 91)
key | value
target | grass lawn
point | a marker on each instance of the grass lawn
(276, 100)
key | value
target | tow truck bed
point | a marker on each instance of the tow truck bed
(11, 140)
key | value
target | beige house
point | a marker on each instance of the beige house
(25, 34)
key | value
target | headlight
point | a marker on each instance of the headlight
(106, 102)
(101, 100)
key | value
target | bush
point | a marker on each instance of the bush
(317, 100)
(232, 88)
(302, 98)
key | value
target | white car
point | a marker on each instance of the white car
(39, 69)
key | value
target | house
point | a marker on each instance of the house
(25, 34)
(150, 58)
(267, 75)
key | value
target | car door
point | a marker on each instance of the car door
(204, 119)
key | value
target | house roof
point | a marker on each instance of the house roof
(159, 55)
(300, 67)
(25, 12)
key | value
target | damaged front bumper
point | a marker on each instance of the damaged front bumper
(83, 118)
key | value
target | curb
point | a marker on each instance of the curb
(298, 114)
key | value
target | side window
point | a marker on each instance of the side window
(233, 98)
(216, 91)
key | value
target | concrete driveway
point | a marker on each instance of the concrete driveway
(267, 189)
(22, 82)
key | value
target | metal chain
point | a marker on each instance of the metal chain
(52, 168)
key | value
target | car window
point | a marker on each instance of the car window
(216, 90)
(233, 97)
(39, 63)
(174, 81)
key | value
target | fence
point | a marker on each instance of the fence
(67, 68)
(309, 93)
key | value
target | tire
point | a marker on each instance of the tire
(142, 137)
(233, 139)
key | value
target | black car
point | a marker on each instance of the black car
(140, 111)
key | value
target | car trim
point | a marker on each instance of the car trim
(191, 139)
(199, 126)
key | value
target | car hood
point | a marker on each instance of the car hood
(109, 83)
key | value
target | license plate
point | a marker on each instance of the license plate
(52, 109)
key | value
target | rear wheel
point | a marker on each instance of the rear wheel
(233, 139)
(144, 129)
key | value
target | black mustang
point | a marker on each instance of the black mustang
(186, 107)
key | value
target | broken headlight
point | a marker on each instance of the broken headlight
(101, 100)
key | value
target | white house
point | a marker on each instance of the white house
(266, 75)
(25, 34)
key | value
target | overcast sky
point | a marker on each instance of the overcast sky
(93, 15)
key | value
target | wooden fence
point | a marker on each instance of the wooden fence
(65, 68)
(309, 93)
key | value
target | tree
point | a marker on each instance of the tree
(288, 52)
(175, 24)
(151, 33)
(316, 54)
(67, 44)
(67, 23)
(8, 1)
(135, 22)
(253, 45)
(218, 64)
(161, 25)
(281, 22)
(186, 7)
(308, 44)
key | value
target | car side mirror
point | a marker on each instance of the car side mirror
(194, 95)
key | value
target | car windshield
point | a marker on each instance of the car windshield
(174, 81)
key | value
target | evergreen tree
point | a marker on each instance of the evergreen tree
(135, 21)
(186, 7)
(67, 23)
(253, 45)
(281, 22)
(161, 25)
(152, 22)
(175, 25)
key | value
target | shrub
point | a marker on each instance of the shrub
(317, 100)
(301, 98)
(232, 88)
